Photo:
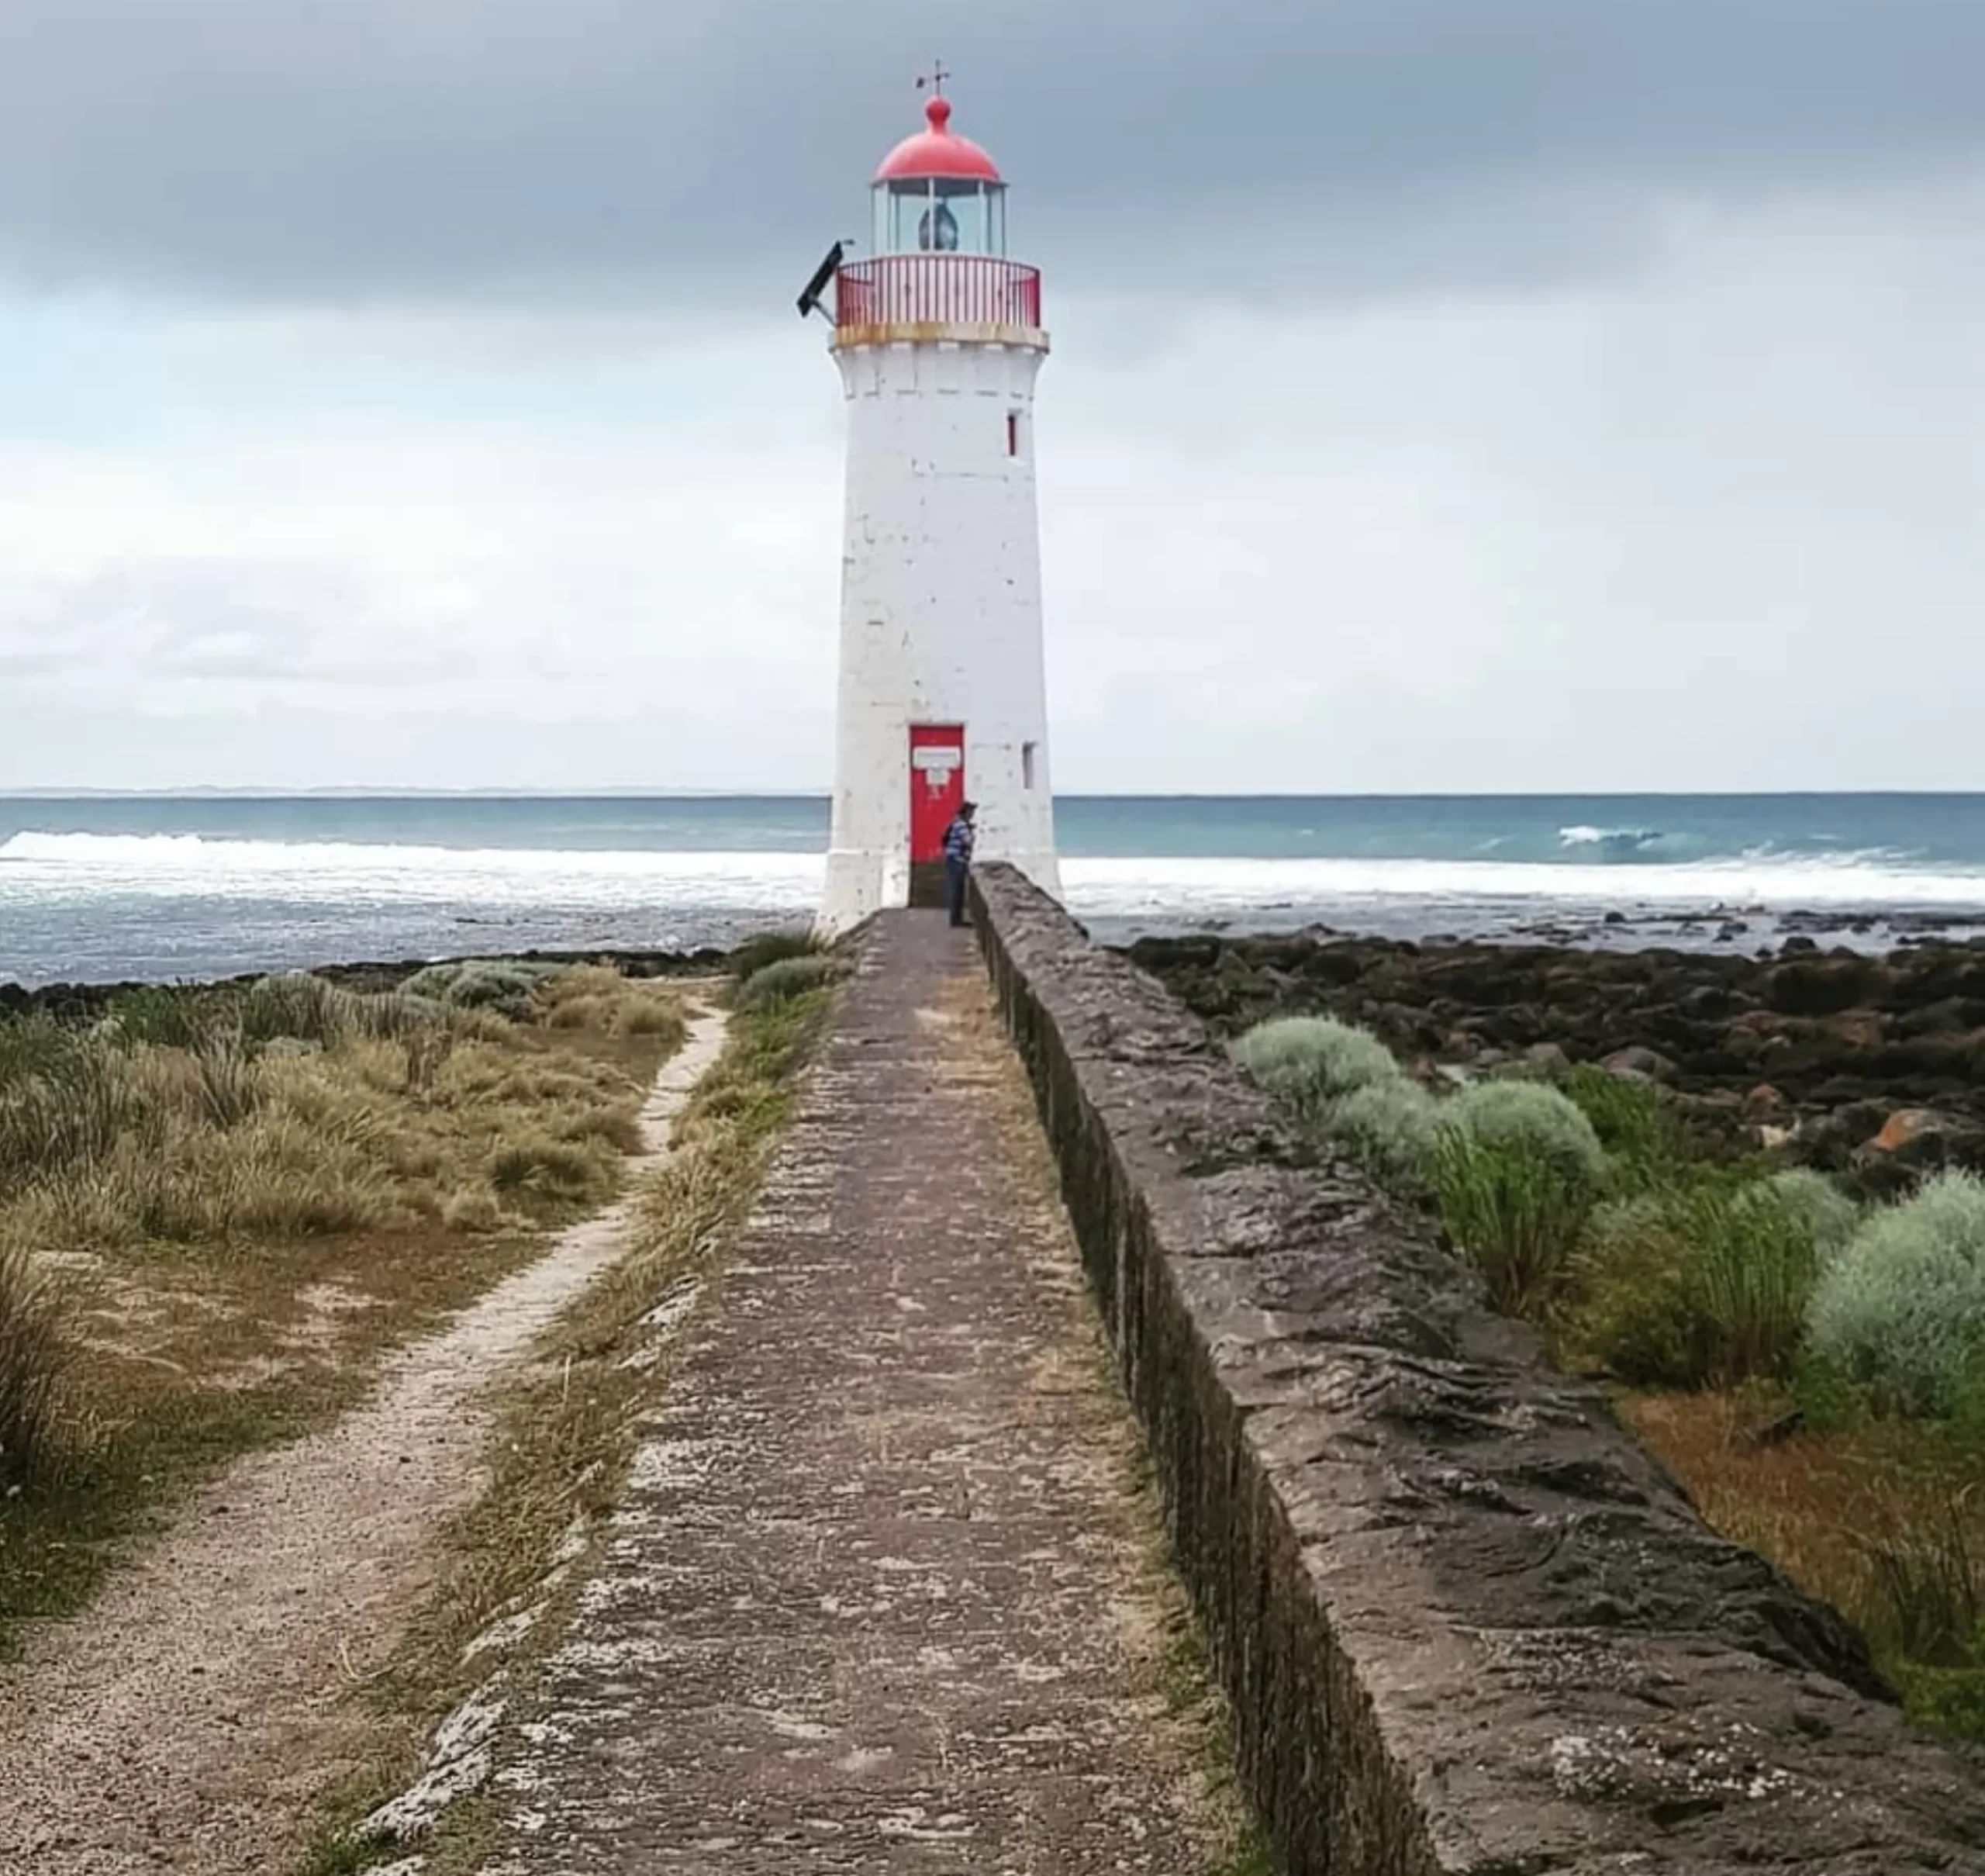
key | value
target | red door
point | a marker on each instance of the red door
(937, 791)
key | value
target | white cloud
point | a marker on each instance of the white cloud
(1712, 527)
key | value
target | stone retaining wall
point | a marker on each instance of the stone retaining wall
(1465, 1623)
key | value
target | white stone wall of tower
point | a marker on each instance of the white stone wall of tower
(941, 609)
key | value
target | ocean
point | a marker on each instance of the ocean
(102, 888)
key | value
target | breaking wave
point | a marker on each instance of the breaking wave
(71, 866)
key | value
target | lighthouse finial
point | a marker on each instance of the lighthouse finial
(935, 79)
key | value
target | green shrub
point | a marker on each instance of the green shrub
(511, 990)
(1825, 1395)
(297, 1006)
(1512, 1211)
(1306, 1062)
(1528, 1116)
(33, 1352)
(1930, 1584)
(1635, 1122)
(1901, 1309)
(1752, 1274)
(508, 986)
(780, 982)
(1388, 1126)
(1947, 1700)
(771, 948)
(295, 1003)
(1696, 1284)
(166, 1017)
(1633, 1313)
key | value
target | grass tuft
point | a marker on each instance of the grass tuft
(1511, 1209)
(776, 984)
(771, 947)
(34, 1356)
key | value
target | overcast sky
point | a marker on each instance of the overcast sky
(1447, 394)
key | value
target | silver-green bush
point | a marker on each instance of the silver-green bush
(507, 985)
(1901, 1310)
(1388, 1126)
(1828, 1216)
(1528, 1116)
(1306, 1062)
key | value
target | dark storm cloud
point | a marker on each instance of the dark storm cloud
(706, 150)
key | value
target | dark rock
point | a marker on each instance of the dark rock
(1923, 1137)
(1639, 1064)
(1822, 986)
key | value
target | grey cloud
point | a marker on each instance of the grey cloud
(700, 153)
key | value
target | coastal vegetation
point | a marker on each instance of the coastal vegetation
(1811, 1364)
(221, 1206)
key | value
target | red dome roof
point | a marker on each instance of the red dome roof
(938, 151)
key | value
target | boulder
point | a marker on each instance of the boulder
(1764, 1103)
(1925, 1137)
(1823, 986)
(1860, 1031)
(1639, 1064)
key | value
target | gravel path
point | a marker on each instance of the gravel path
(190, 1717)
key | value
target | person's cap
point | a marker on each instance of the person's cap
(969, 807)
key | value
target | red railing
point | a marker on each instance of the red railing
(937, 290)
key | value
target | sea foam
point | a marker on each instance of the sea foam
(69, 867)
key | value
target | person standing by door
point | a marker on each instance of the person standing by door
(959, 838)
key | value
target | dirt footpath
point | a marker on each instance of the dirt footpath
(191, 1717)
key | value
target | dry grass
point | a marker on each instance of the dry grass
(1883, 1520)
(198, 1175)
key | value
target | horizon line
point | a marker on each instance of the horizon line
(199, 792)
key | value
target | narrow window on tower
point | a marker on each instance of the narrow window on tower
(1026, 766)
(1012, 432)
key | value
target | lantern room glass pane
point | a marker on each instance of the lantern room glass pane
(940, 216)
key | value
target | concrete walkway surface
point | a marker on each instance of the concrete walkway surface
(884, 1593)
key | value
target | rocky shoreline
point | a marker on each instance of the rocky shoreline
(1864, 1065)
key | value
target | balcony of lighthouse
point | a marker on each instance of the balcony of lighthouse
(898, 299)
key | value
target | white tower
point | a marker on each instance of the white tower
(943, 692)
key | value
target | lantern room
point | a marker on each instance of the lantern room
(939, 193)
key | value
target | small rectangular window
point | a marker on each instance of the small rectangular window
(1012, 432)
(1026, 766)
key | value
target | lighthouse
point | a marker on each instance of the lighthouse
(942, 689)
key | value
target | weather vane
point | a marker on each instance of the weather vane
(935, 80)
